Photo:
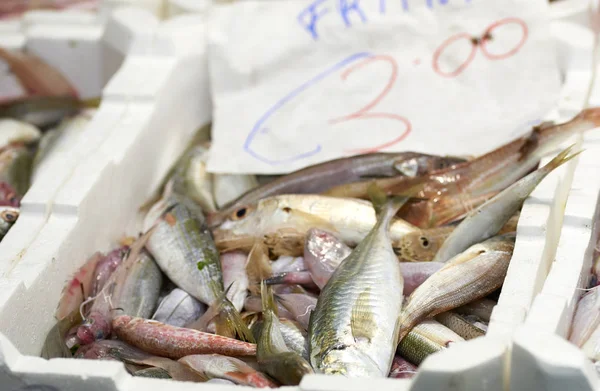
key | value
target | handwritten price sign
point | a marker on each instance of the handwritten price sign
(299, 82)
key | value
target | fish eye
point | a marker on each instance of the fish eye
(240, 213)
(424, 241)
(9, 216)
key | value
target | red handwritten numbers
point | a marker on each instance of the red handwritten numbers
(486, 37)
(366, 113)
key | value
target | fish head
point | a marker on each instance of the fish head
(349, 362)
(8, 216)
(8, 195)
(417, 246)
(295, 367)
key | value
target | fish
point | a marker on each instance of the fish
(283, 221)
(471, 275)
(228, 187)
(178, 308)
(402, 369)
(586, 318)
(285, 264)
(152, 372)
(254, 304)
(294, 335)
(184, 249)
(215, 366)
(78, 288)
(323, 253)
(235, 278)
(486, 220)
(55, 345)
(106, 267)
(299, 305)
(8, 217)
(139, 291)
(15, 167)
(482, 309)
(353, 330)
(8, 196)
(119, 350)
(424, 339)
(320, 177)
(258, 267)
(292, 278)
(272, 354)
(416, 273)
(45, 111)
(17, 132)
(422, 245)
(451, 193)
(459, 325)
(176, 342)
(191, 179)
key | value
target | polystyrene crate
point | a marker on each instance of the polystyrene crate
(154, 103)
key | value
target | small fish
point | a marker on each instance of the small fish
(294, 336)
(283, 221)
(320, 177)
(228, 187)
(185, 251)
(139, 291)
(17, 132)
(178, 308)
(586, 318)
(470, 275)
(402, 369)
(272, 354)
(459, 325)
(176, 342)
(118, 350)
(191, 179)
(78, 288)
(353, 330)
(8, 217)
(235, 278)
(426, 338)
(55, 345)
(15, 167)
(481, 308)
(45, 111)
(485, 221)
(215, 366)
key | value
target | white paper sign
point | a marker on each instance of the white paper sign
(298, 82)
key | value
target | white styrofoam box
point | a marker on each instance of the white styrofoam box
(156, 7)
(177, 7)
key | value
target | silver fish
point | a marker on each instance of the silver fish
(586, 318)
(191, 179)
(354, 328)
(178, 308)
(235, 278)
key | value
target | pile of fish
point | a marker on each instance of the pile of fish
(361, 266)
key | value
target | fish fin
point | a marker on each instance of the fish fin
(377, 196)
(258, 266)
(229, 321)
(286, 241)
(91, 103)
(268, 301)
(362, 322)
(560, 159)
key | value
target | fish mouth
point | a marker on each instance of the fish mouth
(214, 219)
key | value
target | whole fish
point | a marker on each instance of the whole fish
(176, 342)
(459, 325)
(139, 291)
(586, 318)
(79, 288)
(485, 221)
(424, 339)
(402, 369)
(191, 179)
(15, 167)
(44, 111)
(294, 336)
(228, 187)
(215, 366)
(272, 354)
(178, 308)
(354, 328)
(118, 350)
(319, 177)
(283, 221)
(235, 278)
(8, 217)
(482, 309)
(422, 245)
(185, 251)
(470, 275)
(13, 131)
(453, 192)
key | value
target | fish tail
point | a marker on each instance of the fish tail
(229, 322)
(561, 158)
(268, 301)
